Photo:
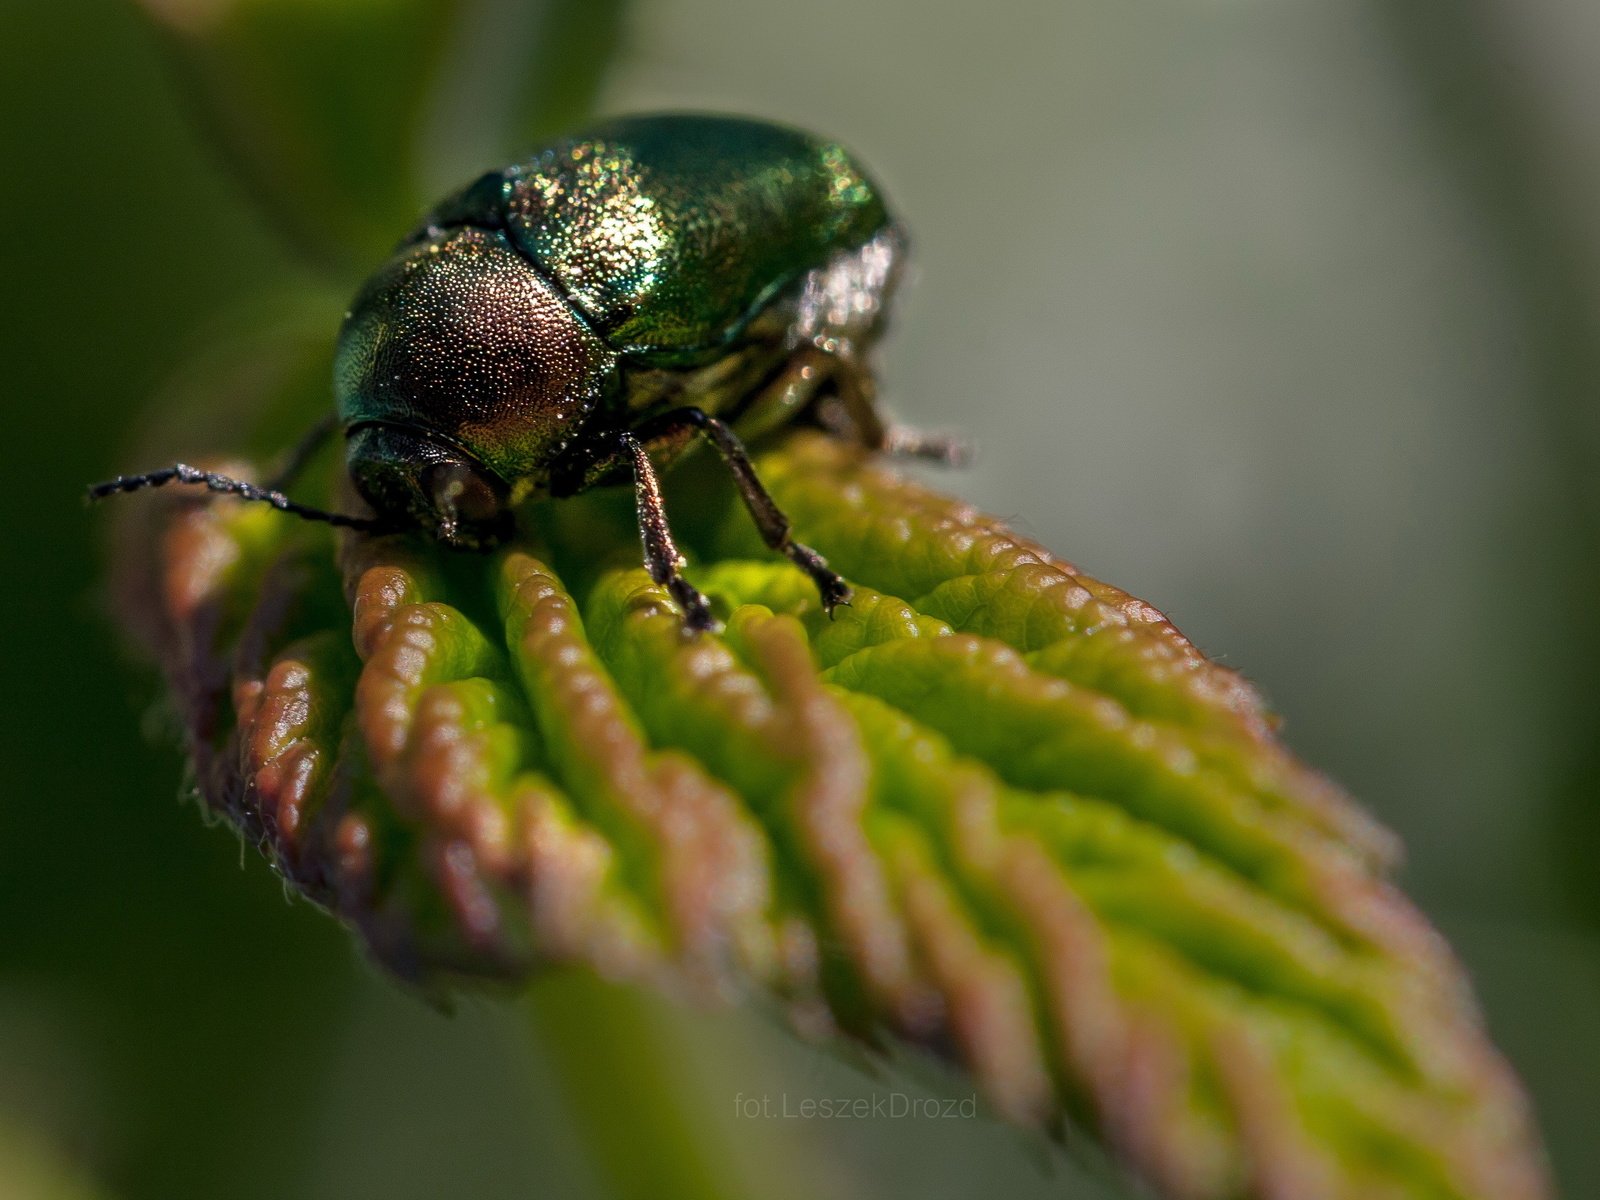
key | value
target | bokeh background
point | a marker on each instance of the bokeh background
(1283, 314)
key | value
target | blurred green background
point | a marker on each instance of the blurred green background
(1285, 316)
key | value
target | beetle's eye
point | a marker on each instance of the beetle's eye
(459, 490)
(470, 509)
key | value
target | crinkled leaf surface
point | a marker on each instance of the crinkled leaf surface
(996, 808)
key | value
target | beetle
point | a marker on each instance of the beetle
(578, 318)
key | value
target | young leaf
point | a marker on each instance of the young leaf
(995, 807)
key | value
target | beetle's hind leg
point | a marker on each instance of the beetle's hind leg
(851, 413)
(929, 445)
(769, 518)
(661, 556)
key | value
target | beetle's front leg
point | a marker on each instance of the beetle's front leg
(661, 556)
(302, 452)
(769, 518)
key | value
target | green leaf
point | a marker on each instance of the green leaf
(345, 119)
(996, 808)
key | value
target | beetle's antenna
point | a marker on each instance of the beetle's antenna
(184, 473)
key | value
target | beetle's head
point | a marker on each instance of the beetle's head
(416, 480)
(461, 375)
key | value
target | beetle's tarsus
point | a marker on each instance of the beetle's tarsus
(946, 449)
(697, 617)
(837, 597)
(830, 585)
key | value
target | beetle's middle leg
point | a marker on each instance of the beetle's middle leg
(769, 518)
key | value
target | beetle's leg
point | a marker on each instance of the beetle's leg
(302, 452)
(661, 557)
(946, 449)
(790, 391)
(184, 473)
(852, 414)
(764, 510)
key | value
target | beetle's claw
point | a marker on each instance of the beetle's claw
(830, 585)
(697, 617)
(699, 620)
(836, 594)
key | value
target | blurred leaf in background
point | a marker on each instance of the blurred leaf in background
(346, 118)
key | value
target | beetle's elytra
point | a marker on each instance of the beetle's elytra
(577, 317)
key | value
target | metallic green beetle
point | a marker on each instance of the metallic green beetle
(566, 320)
